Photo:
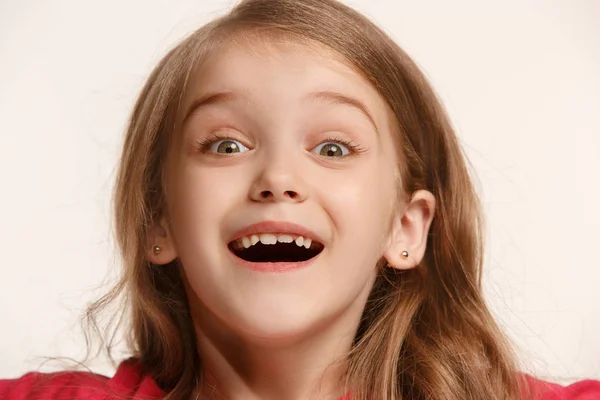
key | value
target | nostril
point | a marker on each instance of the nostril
(265, 194)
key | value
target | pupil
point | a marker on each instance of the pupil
(228, 147)
(332, 150)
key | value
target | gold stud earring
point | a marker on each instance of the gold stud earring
(156, 250)
(405, 254)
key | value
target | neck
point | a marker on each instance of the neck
(306, 367)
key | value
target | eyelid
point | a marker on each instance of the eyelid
(205, 144)
(348, 149)
(354, 148)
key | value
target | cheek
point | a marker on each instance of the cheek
(365, 192)
(201, 197)
(360, 205)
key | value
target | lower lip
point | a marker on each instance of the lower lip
(273, 267)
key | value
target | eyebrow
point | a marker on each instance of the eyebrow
(339, 98)
(212, 98)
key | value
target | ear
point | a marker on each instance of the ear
(160, 236)
(410, 230)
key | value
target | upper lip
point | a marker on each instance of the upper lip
(277, 227)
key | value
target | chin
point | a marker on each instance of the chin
(277, 324)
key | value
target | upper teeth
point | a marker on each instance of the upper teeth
(269, 238)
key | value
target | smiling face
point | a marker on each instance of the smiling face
(296, 141)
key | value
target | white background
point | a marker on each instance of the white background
(520, 79)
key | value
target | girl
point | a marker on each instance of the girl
(297, 221)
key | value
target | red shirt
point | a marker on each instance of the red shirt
(128, 383)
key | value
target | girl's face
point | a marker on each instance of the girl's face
(296, 141)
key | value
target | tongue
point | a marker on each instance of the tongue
(279, 252)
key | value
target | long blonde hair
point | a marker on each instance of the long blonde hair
(426, 333)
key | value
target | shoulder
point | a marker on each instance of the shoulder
(583, 390)
(127, 383)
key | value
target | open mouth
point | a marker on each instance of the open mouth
(275, 248)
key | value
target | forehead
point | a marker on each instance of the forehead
(268, 69)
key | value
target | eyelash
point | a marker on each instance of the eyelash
(204, 144)
(354, 148)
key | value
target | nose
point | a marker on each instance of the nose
(279, 180)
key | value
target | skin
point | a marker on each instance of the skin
(283, 335)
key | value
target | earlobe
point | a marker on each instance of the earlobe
(410, 230)
(161, 249)
(402, 261)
